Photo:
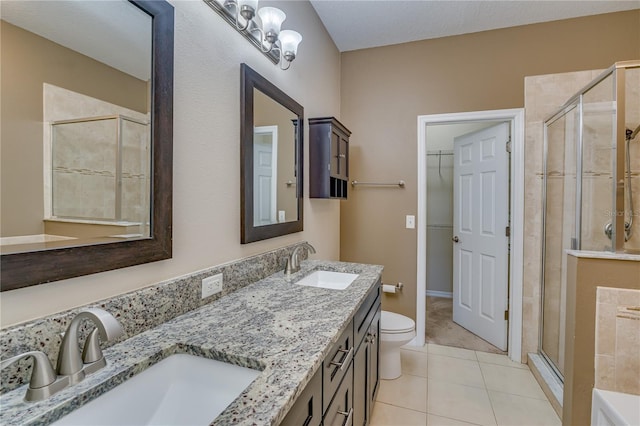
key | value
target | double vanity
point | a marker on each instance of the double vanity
(290, 349)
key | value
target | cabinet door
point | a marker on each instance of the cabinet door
(374, 367)
(343, 158)
(307, 410)
(339, 155)
(340, 412)
(335, 154)
(360, 381)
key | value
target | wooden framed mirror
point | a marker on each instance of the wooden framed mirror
(35, 261)
(271, 152)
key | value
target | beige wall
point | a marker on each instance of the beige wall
(385, 89)
(28, 61)
(206, 185)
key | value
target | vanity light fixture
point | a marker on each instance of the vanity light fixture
(264, 32)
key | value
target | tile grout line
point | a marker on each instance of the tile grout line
(493, 410)
(404, 408)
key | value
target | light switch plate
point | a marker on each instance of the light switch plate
(411, 221)
(212, 285)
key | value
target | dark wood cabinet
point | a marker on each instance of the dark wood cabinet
(328, 158)
(342, 392)
(365, 366)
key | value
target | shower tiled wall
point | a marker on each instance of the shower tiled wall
(90, 173)
(632, 119)
(617, 361)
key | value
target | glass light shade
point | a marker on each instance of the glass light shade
(272, 19)
(289, 41)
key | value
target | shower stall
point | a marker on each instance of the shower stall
(591, 184)
(100, 169)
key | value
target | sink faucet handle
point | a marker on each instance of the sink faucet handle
(92, 351)
(42, 374)
(44, 382)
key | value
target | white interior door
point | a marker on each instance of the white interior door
(480, 249)
(265, 157)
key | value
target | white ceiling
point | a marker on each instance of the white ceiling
(360, 24)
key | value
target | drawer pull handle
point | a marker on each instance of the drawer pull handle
(349, 415)
(345, 359)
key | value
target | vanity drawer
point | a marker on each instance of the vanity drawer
(307, 410)
(341, 410)
(336, 364)
(365, 314)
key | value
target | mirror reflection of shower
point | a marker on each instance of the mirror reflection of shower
(628, 224)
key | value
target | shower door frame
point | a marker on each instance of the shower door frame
(573, 103)
(617, 72)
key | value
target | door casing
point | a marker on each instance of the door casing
(516, 118)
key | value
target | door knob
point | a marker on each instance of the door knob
(456, 239)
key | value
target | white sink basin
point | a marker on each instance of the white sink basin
(179, 390)
(328, 279)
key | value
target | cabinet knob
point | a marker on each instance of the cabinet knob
(371, 337)
(456, 239)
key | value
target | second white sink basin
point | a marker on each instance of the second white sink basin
(179, 390)
(328, 279)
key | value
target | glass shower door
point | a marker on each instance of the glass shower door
(560, 230)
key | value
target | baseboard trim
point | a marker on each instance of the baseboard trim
(435, 293)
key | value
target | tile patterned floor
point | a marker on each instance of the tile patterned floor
(443, 385)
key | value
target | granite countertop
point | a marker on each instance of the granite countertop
(282, 329)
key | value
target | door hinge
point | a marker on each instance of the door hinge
(508, 145)
(507, 231)
(506, 315)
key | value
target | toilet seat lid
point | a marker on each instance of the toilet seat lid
(390, 322)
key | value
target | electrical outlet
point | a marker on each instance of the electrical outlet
(410, 222)
(211, 285)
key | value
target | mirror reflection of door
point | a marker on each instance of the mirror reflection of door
(265, 173)
(274, 166)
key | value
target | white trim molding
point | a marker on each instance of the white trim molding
(436, 293)
(516, 261)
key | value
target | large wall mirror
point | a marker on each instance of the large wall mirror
(87, 137)
(271, 133)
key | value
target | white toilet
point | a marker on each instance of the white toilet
(395, 330)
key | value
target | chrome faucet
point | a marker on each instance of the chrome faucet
(44, 382)
(72, 367)
(70, 362)
(293, 262)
